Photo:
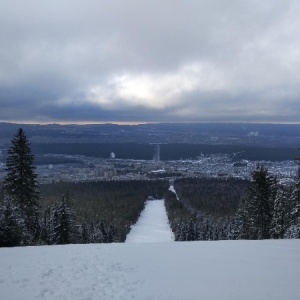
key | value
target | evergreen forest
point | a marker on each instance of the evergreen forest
(220, 209)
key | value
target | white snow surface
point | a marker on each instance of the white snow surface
(268, 269)
(172, 189)
(152, 225)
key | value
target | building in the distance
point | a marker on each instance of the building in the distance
(156, 156)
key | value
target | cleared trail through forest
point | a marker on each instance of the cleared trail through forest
(152, 226)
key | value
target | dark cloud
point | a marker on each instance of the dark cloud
(77, 61)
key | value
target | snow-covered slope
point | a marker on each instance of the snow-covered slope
(152, 225)
(267, 269)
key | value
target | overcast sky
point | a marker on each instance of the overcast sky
(150, 61)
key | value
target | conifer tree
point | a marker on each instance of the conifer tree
(46, 227)
(13, 231)
(246, 220)
(20, 183)
(102, 232)
(112, 235)
(234, 228)
(257, 209)
(295, 197)
(277, 229)
(92, 233)
(63, 223)
(293, 230)
(84, 233)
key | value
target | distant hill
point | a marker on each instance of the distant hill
(274, 142)
(283, 135)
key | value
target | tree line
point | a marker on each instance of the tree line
(211, 209)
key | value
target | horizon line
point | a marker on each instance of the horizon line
(134, 123)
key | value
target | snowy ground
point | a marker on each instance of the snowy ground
(152, 226)
(179, 270)
(140, 270)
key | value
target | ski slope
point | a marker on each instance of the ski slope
(152, 226)
(234, 270)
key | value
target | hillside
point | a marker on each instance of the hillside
(267, 269)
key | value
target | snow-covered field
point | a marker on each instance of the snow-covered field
(224, 270)
(176, 270)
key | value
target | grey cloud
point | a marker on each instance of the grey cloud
(60, 50)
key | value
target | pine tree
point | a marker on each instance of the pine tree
(234, 228)
(298, 163)
(295, 205)
(246, 227)
(84, 233)
(277, 229)
(93, 238)
(112, 235)
(46, 227)
(20, 183)
(191, 232)
(63, 223)
(102, 232)
(293, 220)
(295, 198)
(256, 213)
(13, 231)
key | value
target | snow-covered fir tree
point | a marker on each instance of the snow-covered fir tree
(278, 222)
(295, 203)
(257, 208)
(63, 223)
(293, 230)
(84, 233)
(47, 227)
(20, 183)
(112, 235)
(13, 231)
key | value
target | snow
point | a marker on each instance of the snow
(267, 269)
(172, 189)
(152, 225)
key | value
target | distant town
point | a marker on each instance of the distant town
(76, 153)
(112, 168)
